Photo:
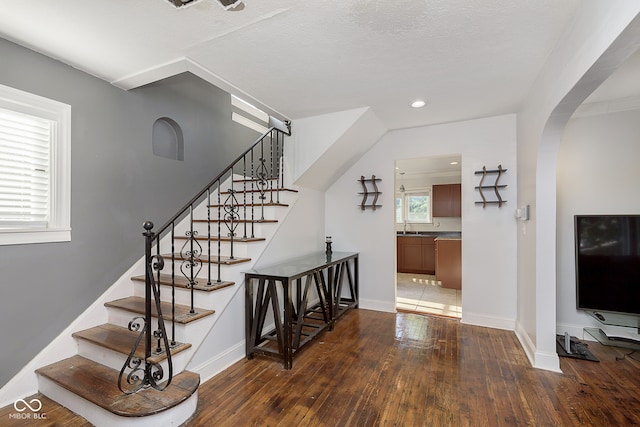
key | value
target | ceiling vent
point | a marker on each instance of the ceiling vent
(226, 4)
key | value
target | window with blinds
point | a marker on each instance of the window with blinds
(35, 168)
(25, 143)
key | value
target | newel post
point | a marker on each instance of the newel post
(148, 260)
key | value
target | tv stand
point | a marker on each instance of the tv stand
(604, 339)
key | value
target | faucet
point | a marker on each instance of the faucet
(404, 229)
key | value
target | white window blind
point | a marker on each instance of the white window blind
(25, 151)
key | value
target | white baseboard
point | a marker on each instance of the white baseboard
(527, 345)
(547, 361)
(488, 321)
(220, 362)
(538, 359)
(376, 305)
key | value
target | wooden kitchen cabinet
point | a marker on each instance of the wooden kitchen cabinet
(446, 200)
(416, 254)
(449, 263)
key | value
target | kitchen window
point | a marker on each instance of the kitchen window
(35, 170)
(414, 206)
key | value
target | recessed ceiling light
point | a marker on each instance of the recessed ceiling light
(453, 163)
(418, 103)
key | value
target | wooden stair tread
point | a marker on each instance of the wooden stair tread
(181, 282)
(225, 260)
(120, 339)
(224, 239)
(99, 385)
(266, 190)
(182, 315)
(265, 204)
(238, 221)
(256, 179)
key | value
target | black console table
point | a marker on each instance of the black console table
(304, 314)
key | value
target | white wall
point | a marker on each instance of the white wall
(323, 147)
(584, 57)
(598, 173)
(488, 235)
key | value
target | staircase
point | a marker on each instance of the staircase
(132, 369)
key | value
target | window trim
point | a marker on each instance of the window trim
(59, 227)
(404, 205)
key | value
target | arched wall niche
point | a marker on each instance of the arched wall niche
(167, 139)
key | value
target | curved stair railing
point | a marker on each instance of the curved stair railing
(234, 201)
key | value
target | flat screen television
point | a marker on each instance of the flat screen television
(608, 263)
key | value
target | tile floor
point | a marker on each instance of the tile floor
(421, 293)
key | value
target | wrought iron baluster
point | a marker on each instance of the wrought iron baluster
(219, 266)
(144, 373)
(262, 179)
(173, 283)
(231, 217)
(157, 332)
(209, 236)
(244, 194)
(277, 172)
(191, 262)
(271, 166)
(253, 206)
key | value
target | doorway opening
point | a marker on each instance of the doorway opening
(428, 224)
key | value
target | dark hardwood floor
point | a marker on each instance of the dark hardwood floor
(414, 370)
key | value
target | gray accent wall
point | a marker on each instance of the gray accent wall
(117, 183)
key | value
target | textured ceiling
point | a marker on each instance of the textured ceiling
(466, 58)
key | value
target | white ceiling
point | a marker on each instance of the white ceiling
(434, 166)
(466, 58)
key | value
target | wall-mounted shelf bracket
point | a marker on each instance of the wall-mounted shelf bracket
(367, 192)
(495, 187)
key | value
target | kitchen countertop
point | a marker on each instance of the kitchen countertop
(436, 234)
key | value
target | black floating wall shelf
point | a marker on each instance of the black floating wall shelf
(369, 189)
(495, 187)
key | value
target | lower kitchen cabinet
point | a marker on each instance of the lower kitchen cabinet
(449, 263)
(416, 254)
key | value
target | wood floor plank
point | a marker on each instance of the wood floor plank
(385, 369)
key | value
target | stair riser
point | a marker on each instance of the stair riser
(258, 211)
(190, 332)
(100, 417)
(116, 360)
(122, 318)
(259, 230)
(240, 249)
(285, 197)
(212, 300)
(234, 272)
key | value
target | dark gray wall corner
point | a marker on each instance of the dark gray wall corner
(117, 183)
